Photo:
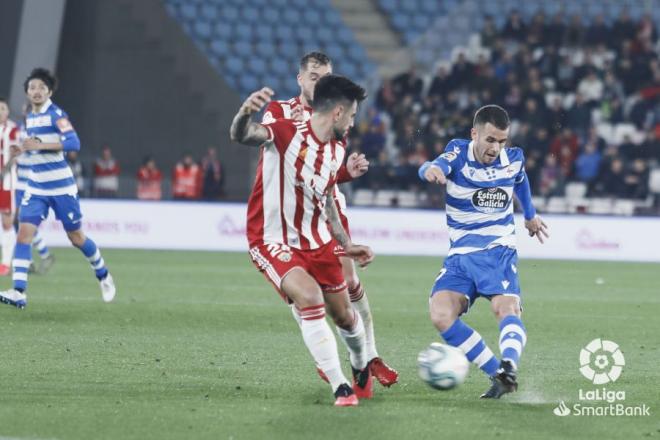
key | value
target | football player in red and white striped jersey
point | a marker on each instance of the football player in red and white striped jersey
(9, 137)
(293, 224)
(313, 66)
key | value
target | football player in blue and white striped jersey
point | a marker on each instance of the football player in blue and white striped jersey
(51, 185)
(482, 177)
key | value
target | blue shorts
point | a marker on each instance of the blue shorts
(34, 209)
(18, 196)
(484, 273)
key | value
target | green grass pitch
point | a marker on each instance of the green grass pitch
(198, 346)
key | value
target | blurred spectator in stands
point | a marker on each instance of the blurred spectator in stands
(623, 28)
(106, 174)
(212, 175)
(598, 32)
(513, 101)
(579, 116)
(594, 137)
(78, 171)
(565, 138)
(489, 32)
(610, 180)
(187, 179)
(636, 180)
(514, 28)
(539, 140)
(533, 115)
(627, 148)
(574, 35)
(373, 141)
(556, 116)
(408, 83)
(149, 180)
(554, 34)
(551, 180)
(587, 163)
(591, 88)
(650, 149)
(440, 85)
(566, 74)
(386, 98)
(461, 72)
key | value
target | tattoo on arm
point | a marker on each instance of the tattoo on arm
(336, 228)
(246, 132)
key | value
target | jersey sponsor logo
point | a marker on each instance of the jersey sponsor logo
(490, 200)
(39, 121)
(64, 125)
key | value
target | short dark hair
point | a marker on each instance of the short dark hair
(332, 89)
(44, 75)
(319, 57)
(494, 114)
(3, 99)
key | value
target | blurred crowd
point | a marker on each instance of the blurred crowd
(190, 179)
(559, 79)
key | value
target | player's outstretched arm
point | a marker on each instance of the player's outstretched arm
(362, 254)
(242, 129)
(534, 224)
(434, 174)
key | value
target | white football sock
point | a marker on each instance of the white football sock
(361, 304)
(322, 345)
(354, 339)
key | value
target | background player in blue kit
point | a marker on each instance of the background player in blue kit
(50, 185)
(481, 177)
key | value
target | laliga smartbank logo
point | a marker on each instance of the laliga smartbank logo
(601, 362)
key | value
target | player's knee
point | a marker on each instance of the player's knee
(344, 318)
(442, 317)
(77, 238)
(505, 309)
(352, 281)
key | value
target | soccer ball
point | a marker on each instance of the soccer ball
(442, 367)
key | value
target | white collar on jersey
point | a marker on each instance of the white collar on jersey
(45, 107)
(504, 158)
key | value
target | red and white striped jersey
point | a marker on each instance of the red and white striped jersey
(295, 172)
(9, 135)
(284, 110)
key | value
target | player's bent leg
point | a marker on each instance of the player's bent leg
(385, 375)
(47, 259)
(351, 330)
(446, 306)
(512, 340)
(306, 295)
(93, 255)
(21, 263)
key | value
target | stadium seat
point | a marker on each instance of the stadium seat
(623, 207)
(209, 12)
(600, 206)
(229, 13)
(256, 65)
(265, 48)
(407, 199)
(220, 48)
(363, 197)
(202, 30)
(222, 30)
(575, 190)
(556, 205)
(188, 12)
(654, 181)
(248, 83)
(386, 197)
(234, 65)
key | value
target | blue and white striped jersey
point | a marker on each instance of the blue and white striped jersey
(49, 174)
(480, 197)
(22, 170)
